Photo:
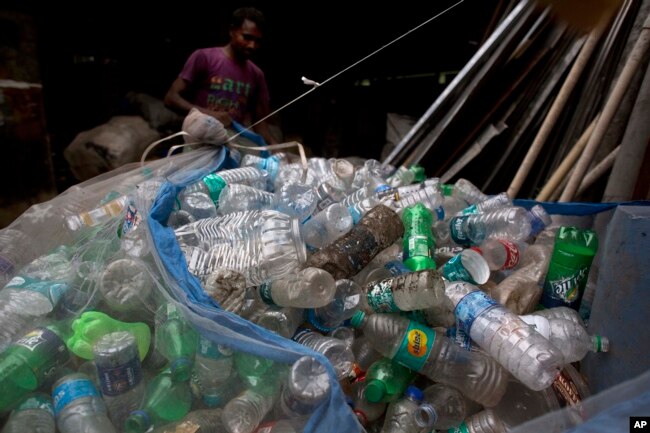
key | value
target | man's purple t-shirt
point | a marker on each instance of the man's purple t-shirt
(222, 84)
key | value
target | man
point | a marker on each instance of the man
(223, 82)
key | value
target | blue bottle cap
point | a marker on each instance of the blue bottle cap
(414, 392)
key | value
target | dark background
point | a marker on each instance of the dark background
(89, 56)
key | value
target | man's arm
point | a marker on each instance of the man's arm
(174, 98)
(261, 110)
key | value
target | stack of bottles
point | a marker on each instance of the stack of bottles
(438, 307)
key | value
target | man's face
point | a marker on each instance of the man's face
(245, 40)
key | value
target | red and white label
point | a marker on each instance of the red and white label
(512, 254)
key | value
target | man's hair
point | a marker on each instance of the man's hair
(252, 14)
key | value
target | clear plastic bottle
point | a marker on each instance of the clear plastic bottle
(364, 356)
(338, 353)
(308, 288)
(237, 197)
(501, 254)
(326, 195)
(307, 385)
(126, 285)
(35, 414)
(525, 353)
(33, 293)
(244, 413)
(269, 164)
(511, 223)
(345, 334)
(405, 292)
(198, 421)
(327, 225)
(78, 406)
(120, 374)
(213, 366)
(560, 313)
(99, 215)
(430, 196)
(283, 321)
(570, 337)
(467, 266)
(16, 249)
(199, 205)
(222, 229)
(400, 415)
(521, 404)
(443, 407)
(435, 356)
(347, 297)
(467, 191)
(485, 421)
(214, 183)
(350, 253)
(491, 203)
(296, 199)
(402, 176)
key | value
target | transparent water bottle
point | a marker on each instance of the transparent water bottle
(120, 374)
(99, 215)
(521, 404)
(491, 203)
(485, 421)
(433, 355)
(511, 223)
(283, 321)
(467, 266)
(308, 288)
(525, 353)
(327, 225)
(366, 411)
(364, 356)
(238, 197)
(570, 337)
(345, 334)
(430, 196)
(126, 285)
(213, 366)
(35, 414)
(307, 385)
(400, 415)
(245, 412)
(296, 199)
(269, 164)
(78, 406)
(346, 300)
(214, 183)
(338, 353)
(565, 313)
(467, 191)
(350, 253)
(222, 229)
(199, 205)
(405, 292)
(16, 249)
(443, 407)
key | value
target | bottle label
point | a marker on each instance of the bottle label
(459, 429)
(380, 297)
(120, 379)
(38, 401)
(566, 390)
(460, 337)
(470, 210)
(356, 215)
(45, 344)
(440, 213)
(208, 349)
(416, 346)
(539, 323)
(454, 270)
(299, 334)
(215, 185)
(563, 286)
(131, 220)
(457, 232)
(71, 390)
(52, 290)
(265, 294)
(471, 306)
(418, 245)
(512, 254)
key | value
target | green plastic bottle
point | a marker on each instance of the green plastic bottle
(30, 362)
(93, 325)
(418, 172)
(166, 400)
(568, 269)
(176, 340)
(386, 381)
(419, 245)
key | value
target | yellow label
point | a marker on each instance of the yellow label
(417, 343)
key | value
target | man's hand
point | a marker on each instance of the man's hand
(221, 116)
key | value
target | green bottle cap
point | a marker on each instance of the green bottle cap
(375, 391)
(418, 172)
(357, 319)
(215, 184)
(447, 189)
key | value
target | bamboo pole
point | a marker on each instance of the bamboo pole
(567, 163)
(600, 169)
(631, 66)
(556, 109)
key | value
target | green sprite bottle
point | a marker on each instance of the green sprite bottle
(419, 245)
(568, 270)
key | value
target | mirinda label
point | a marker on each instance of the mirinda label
(416, 346)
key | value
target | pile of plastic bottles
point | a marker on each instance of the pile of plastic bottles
(438, 307)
